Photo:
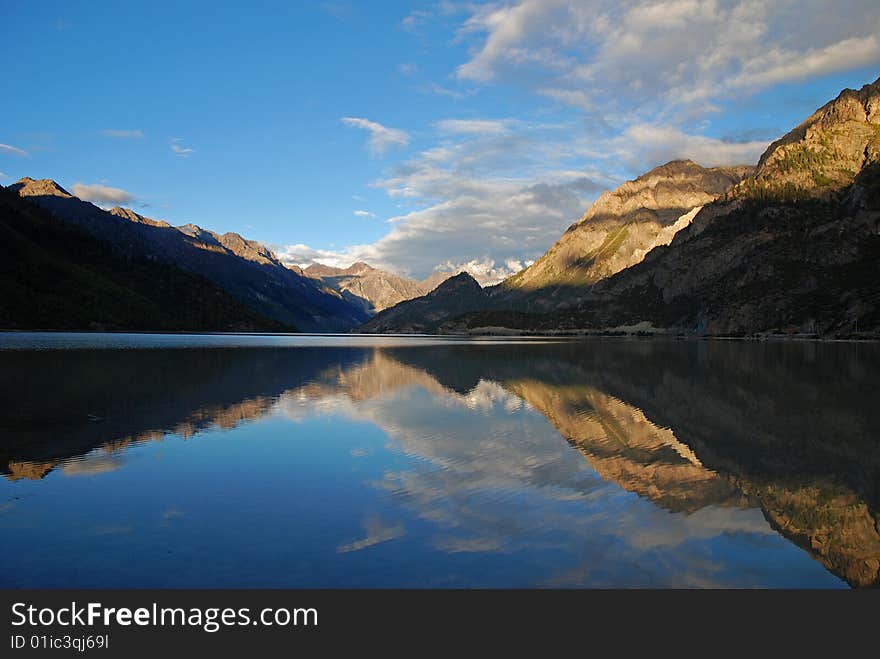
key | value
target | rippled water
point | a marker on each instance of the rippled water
(287, 461)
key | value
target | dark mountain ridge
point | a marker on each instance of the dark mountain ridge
(457, 295)
(58, 276)
(246, 270)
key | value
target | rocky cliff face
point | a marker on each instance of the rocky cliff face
(623, 225)
(825, 153)
(245, 269)
(372, 288)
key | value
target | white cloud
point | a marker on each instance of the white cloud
(657, 55)
(4, 175)
(485, 270)
(488, 196)
(475, 223)
(474, 126)
(303, 256)
(102, 195)
(781, 65)
(123, 134)
(8, 148)
(643, 146)
(525, 33)
(491, 196)
(574, 97)
(179, 150)
(363, 213)
(381, 138)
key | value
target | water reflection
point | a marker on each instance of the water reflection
(606, 463)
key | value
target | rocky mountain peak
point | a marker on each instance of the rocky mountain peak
(248, 249)
(436, 278)
(680, 167)
(669, 189)
(125, 213)
(359, 268)
(371, 287)
(44, 187)
(461, 284)
(190, 229)
(626, 223)
(131, 216)
(458, 294)
(320, 270)
(823, 154)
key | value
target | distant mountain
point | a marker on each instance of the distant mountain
(436, 278)
(791, 248)
(57, 276)
(618, 230)
(245, 269)
(354, 270)
(622, 226)
(372, 288)
(455, 296)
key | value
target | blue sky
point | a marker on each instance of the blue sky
(411, 135)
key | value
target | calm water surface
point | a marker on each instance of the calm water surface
(308, 461)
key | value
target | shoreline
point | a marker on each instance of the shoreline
(490, 333)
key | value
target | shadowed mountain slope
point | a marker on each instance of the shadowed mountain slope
(246, 270)
(57, 276)
(456, 295)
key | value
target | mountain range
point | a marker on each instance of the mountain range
(617, 231)
(373, 289)
(789, 246)
(245, 270)
(58, 276)
(244, 285)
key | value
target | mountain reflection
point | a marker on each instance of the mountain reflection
(708, 431)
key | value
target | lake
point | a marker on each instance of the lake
(337, 461)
